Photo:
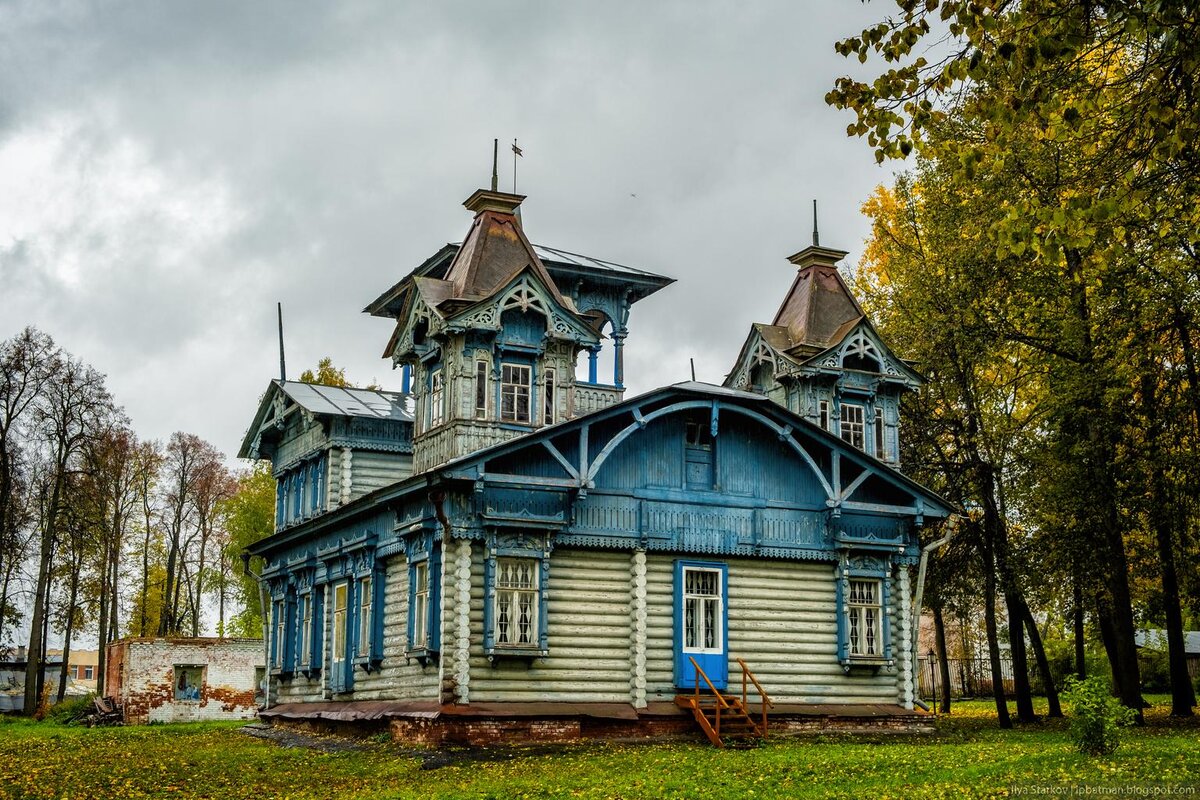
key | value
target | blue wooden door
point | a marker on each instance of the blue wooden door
(701, 623)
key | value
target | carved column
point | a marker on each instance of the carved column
(619, 360)
(347, 457)
(637, 630)
(462, 640)
(904, 640)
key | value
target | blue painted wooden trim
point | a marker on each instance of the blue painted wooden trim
(434, 621)
(317, 635)
(632, 428)
(378, 591)
(406, 379)
(842, 584)
(543, 602)
(489, 599)
(885, 623)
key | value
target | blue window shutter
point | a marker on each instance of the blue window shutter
(280, 501)
(489, 602)
(435, 599)
(318, 631)
(413, 622)
(885, 596)
(677, 614)
(543, 602)
(841, 585)
(378, 579)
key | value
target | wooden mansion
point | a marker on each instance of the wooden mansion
(505, 549)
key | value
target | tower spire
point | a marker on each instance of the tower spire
(495, 164)
(816, 236)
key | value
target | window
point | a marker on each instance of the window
(864, 612)
(548, 400)
(305, 637)
(364, 618)
(280, 632)
(437, 406)
(317, 482)
(516, 602)
(189, 679)
(702, 610)
(481, 387)
(89, 673)
(298, 494)
(514, 393)
(419, 636)
(339, 623)
(880, 451)
(853, 426)
(824, 414)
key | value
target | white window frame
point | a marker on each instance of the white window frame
(365, 606)
(549, 396)
(516, 390)
(437, 399)
(511, 593)
(280, 632)
(853, 430)
(693, 602)
(337, 638)
(864, 623)
(880, 435)
(304, 614)
(481, 388)
(420, 612)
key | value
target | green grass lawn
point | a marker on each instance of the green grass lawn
(967, 757)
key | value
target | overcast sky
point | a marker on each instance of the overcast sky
(168, 171)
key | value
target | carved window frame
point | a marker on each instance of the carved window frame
(522, 544)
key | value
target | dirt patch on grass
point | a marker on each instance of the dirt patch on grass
(288, 737)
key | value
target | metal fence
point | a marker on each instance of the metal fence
(969, 677)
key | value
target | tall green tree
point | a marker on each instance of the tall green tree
(248, 515)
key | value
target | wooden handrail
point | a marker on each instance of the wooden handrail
(764, 699)
(761, 691)
(720, 699)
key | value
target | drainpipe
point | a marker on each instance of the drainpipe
(951, 529)
(262, 600)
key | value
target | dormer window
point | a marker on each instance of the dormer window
(514, 393)
(853, 425)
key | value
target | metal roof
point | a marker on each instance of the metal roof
(372, 403)
(575, 259)
(1156, 639)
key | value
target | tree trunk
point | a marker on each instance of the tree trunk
(37, 639)
(69, 633)
(1077, 623)
(939, 638)
(1020, 659)
(1043, 663)
(989, 618)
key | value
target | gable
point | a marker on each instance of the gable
(638, 444)
(862, 349)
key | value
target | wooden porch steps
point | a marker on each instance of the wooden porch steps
(725, 718)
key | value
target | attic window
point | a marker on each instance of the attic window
(861, 363)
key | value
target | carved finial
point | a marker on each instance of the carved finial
(495, 164)
(816, 236)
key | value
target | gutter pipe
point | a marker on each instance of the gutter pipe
(265, 609)
(951, 529)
